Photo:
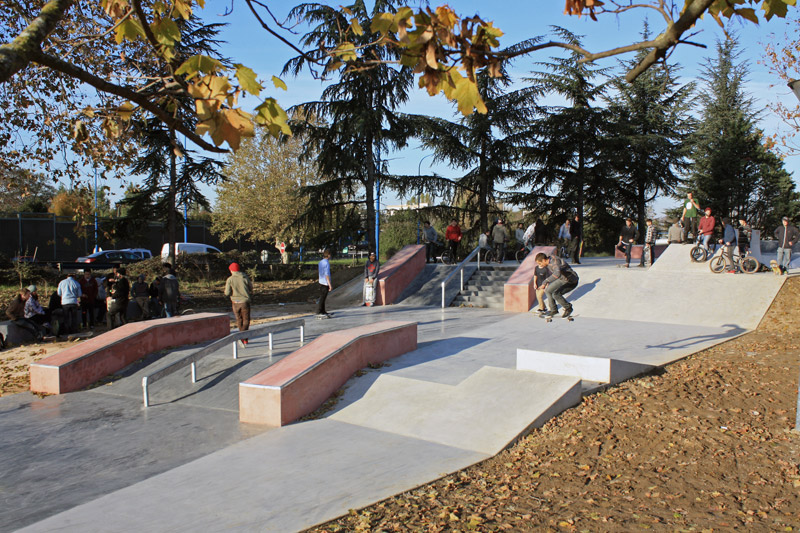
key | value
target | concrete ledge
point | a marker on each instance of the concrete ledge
(636, 253)
(303, 380)
(588, 368)
(399, 272)
(518, 292)
(81, 365)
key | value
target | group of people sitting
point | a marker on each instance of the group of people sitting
(82, 301)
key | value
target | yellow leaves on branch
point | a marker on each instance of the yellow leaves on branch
(577, 7)
(439, 45)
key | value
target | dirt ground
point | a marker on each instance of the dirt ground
(703, 445)
(297, 297)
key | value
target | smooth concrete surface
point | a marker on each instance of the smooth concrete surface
(284, 480)
(596, 369)
(426, 288)
(306, 378)
(83, 364)
(293, 477)
(457, 415)
(398, 272)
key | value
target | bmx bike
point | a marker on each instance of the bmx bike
(748, 264)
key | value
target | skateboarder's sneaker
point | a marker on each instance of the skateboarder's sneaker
(567, 312)
(549, 314)
(321, 317)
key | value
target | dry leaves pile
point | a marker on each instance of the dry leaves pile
(706, 445)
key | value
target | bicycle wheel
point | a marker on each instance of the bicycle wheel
(698, 254)
(447, 258)
(717, 264)
(749, 265)
(488, 257)
(522, 254)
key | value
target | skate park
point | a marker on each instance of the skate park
(475, 380)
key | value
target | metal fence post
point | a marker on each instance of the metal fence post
(144, 392)
(302, 335)
(235, 351)
(270, 342)
(194, 371)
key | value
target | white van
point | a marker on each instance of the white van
(189, 248)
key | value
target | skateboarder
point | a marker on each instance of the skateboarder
(561, 279)
(371, 270)
(627, 236)
(786, 235)
(649, 243)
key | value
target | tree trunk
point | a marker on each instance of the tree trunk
(370, 196)
(483, 191)
(641, 207)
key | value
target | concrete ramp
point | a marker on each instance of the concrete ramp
(465, 415)
(587, 368)
(674, 291)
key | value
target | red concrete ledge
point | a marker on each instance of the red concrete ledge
(518, 292)
(83, 364)
(398, 272)
(303, 380)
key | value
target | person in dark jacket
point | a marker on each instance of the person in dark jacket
(89, 288)
(628, 236)
(729, 240)
(577, 236)
(560, 280)
(169, 291)
(140, 292)
(786, 235)
(745, 232)
(16, 313)
(118, 300)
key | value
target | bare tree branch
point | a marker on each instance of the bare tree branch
(124, 92)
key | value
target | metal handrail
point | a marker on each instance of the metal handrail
(460, 268)
(194, 357)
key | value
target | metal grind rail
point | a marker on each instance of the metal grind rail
(233, 338)
(460, 268)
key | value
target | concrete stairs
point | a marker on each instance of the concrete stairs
(485, 287)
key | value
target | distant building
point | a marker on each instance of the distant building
(392, 209)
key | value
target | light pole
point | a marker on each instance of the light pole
(419, 175)
(96, 246)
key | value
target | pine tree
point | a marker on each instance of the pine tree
(651, 126)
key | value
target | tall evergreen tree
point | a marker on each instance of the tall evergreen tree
(651, 126)
(489, 146)
(732, 171)
(568, 172)
(354, 121)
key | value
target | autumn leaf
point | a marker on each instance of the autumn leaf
(247, 79)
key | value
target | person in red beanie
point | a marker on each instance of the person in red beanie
(240, 289)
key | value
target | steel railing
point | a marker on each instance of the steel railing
(233, 338)
(460, 268)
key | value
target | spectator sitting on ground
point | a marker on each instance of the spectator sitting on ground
(34, 310)
(16, 313)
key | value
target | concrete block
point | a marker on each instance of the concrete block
(302, 381)
(518, 291)
(589, 368)
(83, 364)
(399, 272)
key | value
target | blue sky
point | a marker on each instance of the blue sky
(249, 44)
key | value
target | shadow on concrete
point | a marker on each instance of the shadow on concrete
(583, 288)
(680, 344)
(425, 353)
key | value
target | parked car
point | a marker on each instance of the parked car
(189, 248)
(110, 256)
(143, 253)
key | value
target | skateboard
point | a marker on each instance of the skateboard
(369, 293)
(548, 319)
(775, 268)
(78, 336)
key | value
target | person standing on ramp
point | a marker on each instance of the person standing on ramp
(371, 270)
(325, 284)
